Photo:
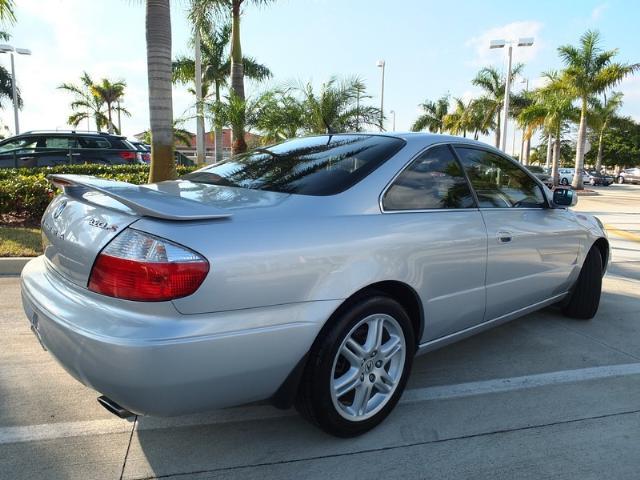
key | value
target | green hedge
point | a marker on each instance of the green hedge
(26, 192)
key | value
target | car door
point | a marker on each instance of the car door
(56, 150)
(18, 152)
(532, 249)
(433, 215)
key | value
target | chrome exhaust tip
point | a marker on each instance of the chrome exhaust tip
(114, 408)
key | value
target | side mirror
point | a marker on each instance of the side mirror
(564, 197)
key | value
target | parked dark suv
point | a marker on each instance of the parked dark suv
(50, 148)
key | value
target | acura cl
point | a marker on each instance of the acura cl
(309, 273)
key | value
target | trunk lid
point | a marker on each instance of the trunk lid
(74, 232)
(77, 225)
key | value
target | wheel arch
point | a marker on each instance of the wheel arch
(602, 245)
(404, 294)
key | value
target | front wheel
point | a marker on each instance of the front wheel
(564, 182)
(358, 367)
(585, 297)
(620, 180)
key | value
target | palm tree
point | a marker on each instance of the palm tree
(336, 106)
(433, 115)
(216, 68)
(589, 71)
(600, 116)
(180, 135)
(109, 93)
(232, 8)
(480, 118)
(458, 121)
(158, 35)
(7, 14)
(552, 109)
(6, 81)
(493, 84)
(280, 116)
(86, 104)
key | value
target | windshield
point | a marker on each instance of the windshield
(322, 165)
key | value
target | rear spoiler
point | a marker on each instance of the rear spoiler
(142, 200)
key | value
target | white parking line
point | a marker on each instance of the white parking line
(52, 431)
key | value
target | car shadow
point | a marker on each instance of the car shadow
(543, 341)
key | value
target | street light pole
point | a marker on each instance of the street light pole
(522, 42)
(505, 112)
(14, 91)
(522, 143)
(200, 145)
(381, 64)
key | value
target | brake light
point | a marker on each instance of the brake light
(127, 155)
(142, 267)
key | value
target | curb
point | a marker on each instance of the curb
(586, 192)
(13, 265)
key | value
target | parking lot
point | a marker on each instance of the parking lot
(541, 397)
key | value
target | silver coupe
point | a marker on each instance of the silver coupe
(309, 273)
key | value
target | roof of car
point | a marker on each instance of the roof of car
(72, 132)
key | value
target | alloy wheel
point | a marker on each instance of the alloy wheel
(368, 367)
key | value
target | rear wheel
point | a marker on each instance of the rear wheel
(620, 180)
(358, 367)
(585, 298)
(564, 181)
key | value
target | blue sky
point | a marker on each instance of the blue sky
(430, 48)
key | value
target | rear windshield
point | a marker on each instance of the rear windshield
(322, 165)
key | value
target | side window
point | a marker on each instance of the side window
(94, 142)
(498, 182)
(60, 142)
(22, 144)
(433, 180)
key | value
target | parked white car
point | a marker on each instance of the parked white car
(566, 176)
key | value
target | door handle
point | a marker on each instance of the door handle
(504, 237)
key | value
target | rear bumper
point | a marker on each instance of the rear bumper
(153, 360)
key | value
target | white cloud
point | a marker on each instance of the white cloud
(511, 31)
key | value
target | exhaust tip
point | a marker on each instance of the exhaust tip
(114, 408)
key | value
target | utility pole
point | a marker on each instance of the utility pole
(382, 64)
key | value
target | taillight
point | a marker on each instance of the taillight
(127, 155)
(142, 267)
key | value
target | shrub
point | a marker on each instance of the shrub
(26, 192)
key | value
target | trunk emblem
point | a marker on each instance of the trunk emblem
(58, 211)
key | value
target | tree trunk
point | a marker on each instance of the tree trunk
(158, 33)
(556, 161)
(498, 130)
(582, 135)
(527, 150)
(237, 73)
(110, 126)
(200, 144)
(599, 157)
(549, 150)
(217, 128)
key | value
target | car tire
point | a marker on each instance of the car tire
(585, 297)
(333, 406)
(564, 181)
(620, 180)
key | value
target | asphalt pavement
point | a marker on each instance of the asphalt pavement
(541, 397)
